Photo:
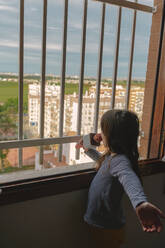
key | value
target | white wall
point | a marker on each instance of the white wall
(57, 221)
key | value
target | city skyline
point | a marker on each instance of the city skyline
(52, 104)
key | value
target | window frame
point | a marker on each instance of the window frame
(158, 107)
(29, 189)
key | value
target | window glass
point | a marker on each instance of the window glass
(9, 46)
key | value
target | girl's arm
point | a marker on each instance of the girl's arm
(129, 180)
(148, 214)
(88, 143)
(93, 154)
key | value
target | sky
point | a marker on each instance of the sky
(9, 38)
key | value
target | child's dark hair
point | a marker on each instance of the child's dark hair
(121, 129)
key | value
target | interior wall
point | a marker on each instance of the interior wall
(154, 187)
(57, 221)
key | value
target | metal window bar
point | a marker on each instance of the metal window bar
(38, 142)
(115, 65)
(43, 69)
(131, 5)
(41, 141)
(131, 61)
(99, 70)
(20, 80)
(63, 69)
(80, 97)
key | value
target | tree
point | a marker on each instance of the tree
(8, 119)
(11, 105)
(3, 156)
(7, 125)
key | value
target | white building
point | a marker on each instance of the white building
(70, 153)
(52, 106)
(52, 93)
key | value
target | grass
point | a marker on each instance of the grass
(10, 90)
(124, 83)
(71, 88)
(15, 169)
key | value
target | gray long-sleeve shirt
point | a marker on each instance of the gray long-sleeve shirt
(115, 176)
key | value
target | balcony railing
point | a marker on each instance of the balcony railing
(20, 143)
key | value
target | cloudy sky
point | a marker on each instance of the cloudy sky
(9, 38)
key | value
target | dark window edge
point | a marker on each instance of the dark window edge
(151, 166)
(58, 184)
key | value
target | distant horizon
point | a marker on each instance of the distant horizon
(70, 76)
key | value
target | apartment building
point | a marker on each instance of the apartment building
(52, 93)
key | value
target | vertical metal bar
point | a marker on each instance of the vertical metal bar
(115, 66)
(99, 69)
(156, 79)
(43, 70)
(131, 61)
(80, 97)
(63, 69)
(20, 80)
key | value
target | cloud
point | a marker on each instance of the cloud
(61, 2)
(9, 40)
(90, 25)
(33, 58)
(9, 43)
(34, 9)
(8, 55)
(8, 8)
(53, 28)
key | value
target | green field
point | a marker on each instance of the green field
(10, 90)
(15, 169)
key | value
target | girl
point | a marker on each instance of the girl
(117, 172)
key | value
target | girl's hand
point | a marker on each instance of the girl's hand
(80, 145)
(97, 138)
(149, 217)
